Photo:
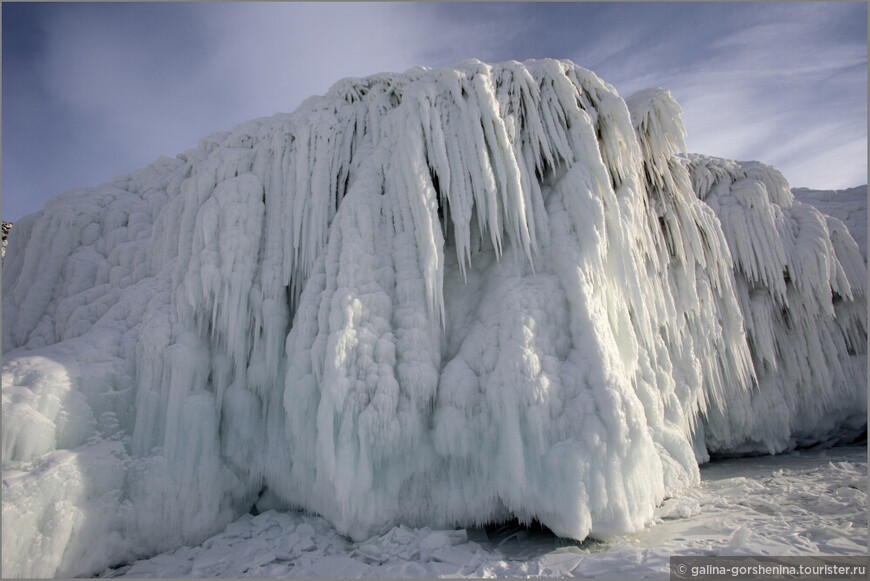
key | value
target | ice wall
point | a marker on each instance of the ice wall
(439, 298)
(849, 206)
(801, 283)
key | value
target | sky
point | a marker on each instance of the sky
(92, 91)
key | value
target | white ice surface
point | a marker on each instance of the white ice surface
(849, 206)
(435, 299)
(802, 503)
(800, 280)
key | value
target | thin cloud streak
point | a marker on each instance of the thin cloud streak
(765, 86)
(111, 87)
(123, 93)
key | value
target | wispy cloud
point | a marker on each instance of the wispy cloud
(93, 90)
(783, 83)
(121, 84)
(105, 91)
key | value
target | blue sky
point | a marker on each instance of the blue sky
(91, 91)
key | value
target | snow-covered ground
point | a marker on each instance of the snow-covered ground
(806, 502)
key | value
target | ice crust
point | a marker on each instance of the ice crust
(441, 298)
(802, 503)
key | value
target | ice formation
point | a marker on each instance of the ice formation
(7, 226)
(849, 205)
(441, 298)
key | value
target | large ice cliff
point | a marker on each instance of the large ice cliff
(442, 298)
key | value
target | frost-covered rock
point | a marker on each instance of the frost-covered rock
(441, 298)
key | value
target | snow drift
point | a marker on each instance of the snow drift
(441, 298)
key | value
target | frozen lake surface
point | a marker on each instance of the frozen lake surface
(806, 502)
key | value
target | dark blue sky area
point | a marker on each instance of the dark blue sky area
(91, 91)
